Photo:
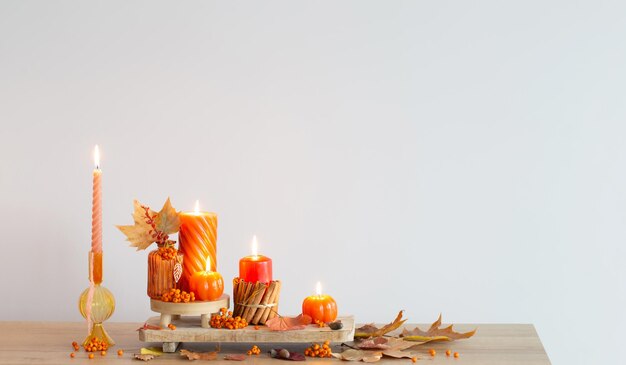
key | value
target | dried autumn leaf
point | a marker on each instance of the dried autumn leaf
(435, 333)
(397, 354)
(139, 235)
(144, 357)
(369, 330)
(384, 343)
(235, 357)
(281, 323)
(358, 355)
(147, 326)
(212, 355)
(168, 220)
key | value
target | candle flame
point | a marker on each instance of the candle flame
(196, 209)
(255, 246)
(96, 157)
(207, 266)
(318, 288)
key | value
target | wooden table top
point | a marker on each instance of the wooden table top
(50, 343)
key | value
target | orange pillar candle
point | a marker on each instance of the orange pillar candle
(320, 307)
(207, 285)
(197, 242)
(255, 267)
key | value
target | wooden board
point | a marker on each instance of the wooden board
(493, 344)
(188, 329)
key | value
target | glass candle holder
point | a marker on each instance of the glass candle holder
(96, 303)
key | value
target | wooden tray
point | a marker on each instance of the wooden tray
(188, 329)
(171, 310)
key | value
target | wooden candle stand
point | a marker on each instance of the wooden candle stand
(171, 310)
(255, 302)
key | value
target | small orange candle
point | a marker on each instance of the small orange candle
(197, 242)
(320, 307)
(255, 267)
(208, 285)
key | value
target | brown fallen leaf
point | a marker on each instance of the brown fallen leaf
(369, 330)
(384, 343)
(396, 354)
(144, 357)
(147, 326)
(435, 333)
(212, 355)
(281, 323)
(358, 355)
(235, 357)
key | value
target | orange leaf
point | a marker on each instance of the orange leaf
(435, 333)
(280, 323)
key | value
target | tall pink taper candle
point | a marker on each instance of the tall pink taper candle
(96, 208)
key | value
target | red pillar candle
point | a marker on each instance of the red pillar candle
(255, 267)
(197, 242)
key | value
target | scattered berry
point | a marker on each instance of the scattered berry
(120, 352)
(91, 356)
(225, 319)
(456, 354)
(432, 352)
(103, 353)
(256, 328)
(414, 359)
(177, 296)
(171, 326)
(72, 355)
(95, 344)
(319, 351)
(448, 353)
(320, 323)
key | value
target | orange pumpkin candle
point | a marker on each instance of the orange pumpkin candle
(207, 285)
(197, 242)
(320, 307)
(255, 267)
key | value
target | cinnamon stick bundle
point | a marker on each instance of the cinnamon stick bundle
(255, 302)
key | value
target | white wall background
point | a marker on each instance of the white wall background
(457, 157)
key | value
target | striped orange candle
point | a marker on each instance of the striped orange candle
(197, 241)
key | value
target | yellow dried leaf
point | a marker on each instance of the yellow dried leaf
(168, 220)
(139, 235)
(212, 355)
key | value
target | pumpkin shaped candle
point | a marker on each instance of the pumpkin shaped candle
(320, 307)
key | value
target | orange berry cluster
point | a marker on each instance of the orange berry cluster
(177, 296)
(95, 344)
(75, 346)
(255, 350)
(225, 319)
(171, 326)
(320, 323)
(319, 351)
(167, 252)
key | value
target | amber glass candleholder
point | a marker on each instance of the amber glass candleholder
(96, 303)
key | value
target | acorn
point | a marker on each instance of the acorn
(335, 325)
